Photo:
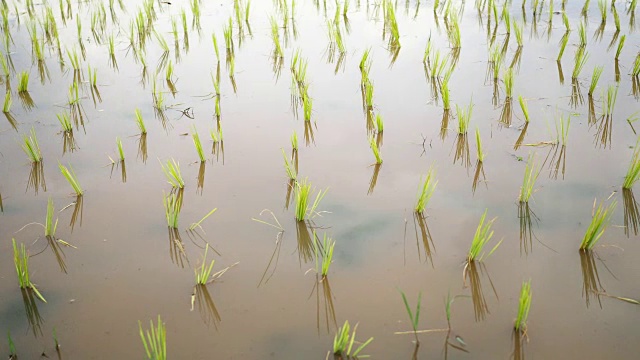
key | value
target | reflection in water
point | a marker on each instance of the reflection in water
(507, 114)
(95, 95)
(176, 248)
(576, 98)
(26, 100)
(517, 57)
(592, 112)
(12, 121)
(77, 212)
(36, 177)
(374, 178)
(275, 256)
(518, 344)
(200, 183)
(560, 73)
(308, 133)
(77, 115)
(473, 271)
(590, 279)
(142, 148)
(635, 87)
(290, 186)
(306, 245)
(631, 213)
(444, 124)
(476, 176)
(31, 310)
(558, 161)
(68, 142)
(604, 130)
(520, 139)
(462, 151)
(206, 307)
(321, 285)
(423, 235)
(123, 169)
(526, 218)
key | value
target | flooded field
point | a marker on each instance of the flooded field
(335, 159)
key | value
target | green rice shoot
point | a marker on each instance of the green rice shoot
(172, 206)
(70, 175)
(203, 273)
(343, 342)
(479, 151)
(173, 174)
(464, 117)
(31, 147)
(597, 71)
(376, 151)
(198, 145)
(304, 209)
(633, 172)
(481, 238)
(426, 191)
(413, 316)
(524, 107)
(21, 262)
(6, 107)
(120, 150)
(23, 82)
(140, 122)
(50, 226)
(289, 168)
(524, 305)
(531, 173)
(599, 223)
(154, 340)
(323, 254)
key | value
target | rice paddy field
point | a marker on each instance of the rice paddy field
(238, 179)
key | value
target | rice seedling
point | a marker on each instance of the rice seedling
(275, 36)
(193, 226)
(563, 45)
(379, 124)
(120, 150)
(172, 206)
(413, 316)
(562, 129)
(523, 307)
(74, 59)
(173, 174)
(375, 150)
(228, 36)
(582, 35)
(307, 106)
(426, 191)
(610, 100)
(93, 76)
(565, 21)
(49, 226)
(635, 71)
(531, 173)
(517, 28)
(323, 254)
(479, 151)
(464, 117)
(203, 273)
(620, 46)
(198, 145)
(597, 71)
(294, 141)
(303, 191)
(155, 341)
(524, 107)
(6, 107)
(481, 238)
(74, 93)
(602, 6)
(31, 147)
(599, 223)
(579, 61)
(616, 17)
(508, 82)
(23, 82)
(365, 60)
(12, 347)
(169, 71)
(368, 94)
(70, 175)
(289, 168)
(633, 172)
(446, 98)
(140, 122)
(343, 342)
(215, 46)
(21, 262)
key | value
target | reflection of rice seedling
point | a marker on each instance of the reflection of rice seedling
(633, 172)
(343, 342)
(31, 147)
(198, 145)
(480, 239)
(203, 273)
(49, 226)
(599, 223)
(426, 191)
(414, 317)
(620, 46)
(375, 150)
(305, 210)
(70, 175)
(172, 206)
(290, 169)
(464, 117)
(323, 254)
(531, 173)
(523, 307)
(173, 174)
(21, 262)
(479, 151)
(597, 71)
(23, 82)
(155, 342)
(631, 212)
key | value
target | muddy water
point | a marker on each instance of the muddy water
(122, 268)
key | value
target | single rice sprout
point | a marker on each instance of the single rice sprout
(343, 342)
(70, 175)
(598, 225)
(426, 191)
(155, 341)
(523, 307)
(173, 174)
(376, 151)
(597, 71)
(203, 273)
(304, 209)
(531, 173)
(633, 172)
(464, 117)
(289, 168)
(21, 262)
(140, 122)
(198, 145)
(479, 151)
(481, 238)
(31, 147)
(172, 206)
(524, 107)
(323, 254)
